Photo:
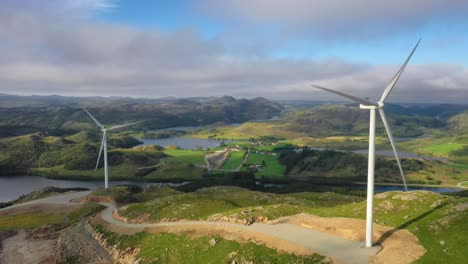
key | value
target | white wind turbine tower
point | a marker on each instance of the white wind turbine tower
(104, 145)
(372, 106)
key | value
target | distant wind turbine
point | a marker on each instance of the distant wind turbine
(372, 106)
(104, 145)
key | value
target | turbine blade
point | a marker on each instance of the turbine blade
(392, 142)
(94, 119)
(125, 125)
(354, 98)
(100, 150)
(395, 78)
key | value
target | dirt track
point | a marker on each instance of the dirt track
(338, 238)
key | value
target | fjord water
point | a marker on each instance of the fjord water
(13, 187)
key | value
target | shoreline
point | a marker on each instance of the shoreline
(179, 181)
(182, 180)
(409, 185)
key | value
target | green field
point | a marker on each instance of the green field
(272, 166)
(172, 248)
(234, 161)
(443, 149)
(465, 184)
(185, 156)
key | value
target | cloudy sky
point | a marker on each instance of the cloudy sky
(244, 48)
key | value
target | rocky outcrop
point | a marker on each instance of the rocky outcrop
(76, 244)
(125, 256)
(142, 219)
(233, 219)
(99, 199)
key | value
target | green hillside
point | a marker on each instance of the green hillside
(439, 221)
(59, 118)
(459, 123)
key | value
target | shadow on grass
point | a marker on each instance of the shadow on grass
(411, 221)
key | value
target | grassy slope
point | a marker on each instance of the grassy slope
(183, 249)
(29, 220)
(430, 216)
(449, 174)
(178, 167)
(208, 201)
(234, 160)
(436, 146)
(249, 130)
(176, 172)
(38, 218)
(272, 166)
(123, 171)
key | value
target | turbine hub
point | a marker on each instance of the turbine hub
(368, 107)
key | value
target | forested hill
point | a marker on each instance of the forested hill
(59, 114)
(327, 120)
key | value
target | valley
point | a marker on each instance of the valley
(246, 189)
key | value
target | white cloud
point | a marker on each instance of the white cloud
(92, 4)
(43, 53)
(337, 19)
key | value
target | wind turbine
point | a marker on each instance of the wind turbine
(104, 145)
(372, 106)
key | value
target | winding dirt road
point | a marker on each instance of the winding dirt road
(460, 185)
(289, 235)
(342, 250)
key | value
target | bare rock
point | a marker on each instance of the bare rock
(387, 205)
(437, 203)
(461, 207)
(405, 197)
(212, 242)
(381, 195)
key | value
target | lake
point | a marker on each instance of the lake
(183, 142)
(387, 188)
(12, 187)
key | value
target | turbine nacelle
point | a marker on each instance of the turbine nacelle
(378, 105)
(369, 107)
